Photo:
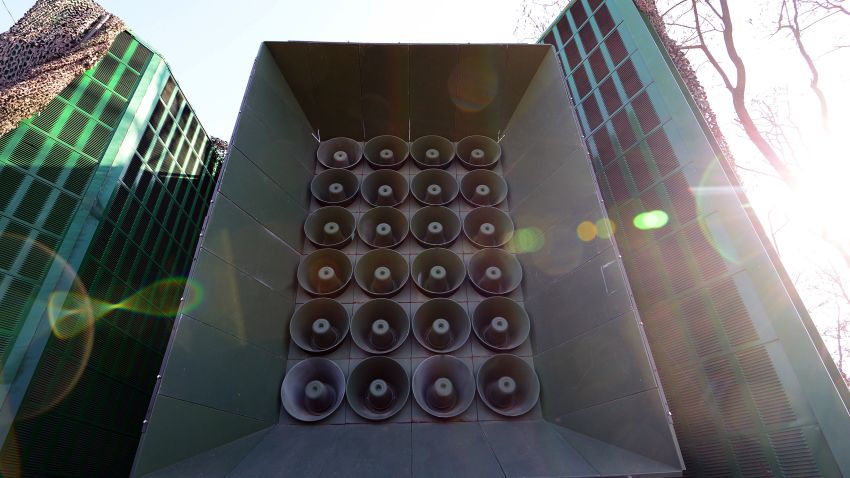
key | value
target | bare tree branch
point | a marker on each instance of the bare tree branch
(789, 19)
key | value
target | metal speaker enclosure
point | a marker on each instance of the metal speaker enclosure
(434, 187)
(384, 188)
(438, 272)
(378, 388)
(443, 386)
(476, 152)
(335, 187)
(319, 325)
(386, 152)
(441, 325)
(508, 385)
(488, 227)
(330, 226)
(325, 272)
(435, 226)
(380, 326)
(500, 323)
(494, 272)
(432, 151)
(383, 226)
(381, 272)
(313, 389)
(483, 188)
(339, 152)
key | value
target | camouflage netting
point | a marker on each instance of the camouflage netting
(54, 42)
(688, 74)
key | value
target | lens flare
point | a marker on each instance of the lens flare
(473, 84)
(707, 192)
(649, 220)
(44, 395)
(526, 240)
(586, 231)
(605, 228)
(72, 313)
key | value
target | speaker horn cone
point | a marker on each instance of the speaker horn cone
(438, 272)
(500, 323)
(432, 152)
(381, 272)
(335, 187)
(386, 152)
(319, 325)
(383, 227)
(483, 188)
(313, 389)
(494, 272)
(443, 386)
(384, 188)
(339, 153)
(434, 187)
(488, 227)
(380, 326)
(330, 226)
(325, 272)
(378, 388)
(441, 325)
(435, 226)
(477, 152)
(508, 385)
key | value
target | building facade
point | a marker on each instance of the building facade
(752, 390)
(102, 194)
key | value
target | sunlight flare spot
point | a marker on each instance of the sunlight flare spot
(528, 239)
(650, 220)
(586, 231)
(605, 228)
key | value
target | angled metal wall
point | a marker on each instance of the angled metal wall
(589, 346)
(750, 393)
(226, 357)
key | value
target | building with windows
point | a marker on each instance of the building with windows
(106, 175)
(751, 387)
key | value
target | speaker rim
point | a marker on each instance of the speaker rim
(424, 166)
(424, 210)
(498, 252)
(385, 172)
(347, 139)
(421, 400)
(345, 202)
(376, 165)
(403, 278)
(483, 172)
(387, 209)
(516, 309)
(441, 172)
(400, 403)
(483, 210)
(338, 373)
(405, 331)
(326, 300)
(453, 289)
(338, 245)
(470, 166)
(336, 292)
(465, 332)
(509, 357)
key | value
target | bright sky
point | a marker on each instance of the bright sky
(210, 45)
